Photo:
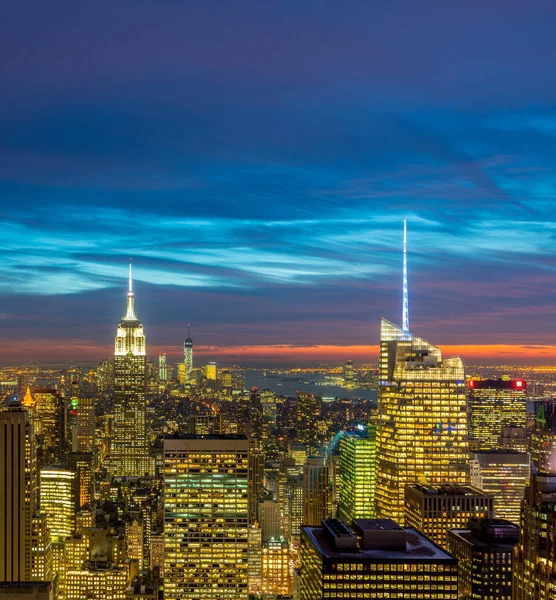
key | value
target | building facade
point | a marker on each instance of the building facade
(494, 404)
(504, 475)
(484, 551)
(357, 475)
(206, 517)
(433, 510)
(18, 494)
(534, 566)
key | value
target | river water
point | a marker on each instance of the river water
(307, 382)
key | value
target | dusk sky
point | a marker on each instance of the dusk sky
(257, 159)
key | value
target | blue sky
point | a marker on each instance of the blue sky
(257, 159)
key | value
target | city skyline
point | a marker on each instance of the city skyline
(260, 189)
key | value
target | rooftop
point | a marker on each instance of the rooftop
(418, 548)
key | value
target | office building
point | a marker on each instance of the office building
(188, 357)
(130, 446)
(41, 550)
(357, 475)
(206, 553)
(308, 416)
(276, 577)
(504, 475)
(49, 424)
(96, 581)
(484, 551)
(210, 371)
(162, 367)
(376, 559)
(270, 519)
(226, 379)
(433, 510)
(59, 494)
(422, 421)
(82, 464)
(316, 491)
(543, 438)
(27, 590)
(349, 374)
(534, 567)
(205, 424)
(83, 432)
(18, 494)
(494, 404)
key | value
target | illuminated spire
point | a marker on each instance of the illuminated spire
(130, 310)
(28, 400)
(405, 309)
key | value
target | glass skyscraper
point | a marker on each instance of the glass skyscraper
(422, 419)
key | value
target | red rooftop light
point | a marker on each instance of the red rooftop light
(471, 383)
(519, 383)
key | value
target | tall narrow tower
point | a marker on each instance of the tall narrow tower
(405, 303)
(188, 356)
(422, 414)
(130, 448)
(18, 493)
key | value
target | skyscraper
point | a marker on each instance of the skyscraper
(494, 404)
(422, 414)
(59, 494)
(484, 551)
(130, 447)
(534, 568)
(206, 517)
(316, 491)
(308, 415)
(188, 356)
(18, 494)
(422, 421)
(357, 475)
(162, 367)
(504, 474)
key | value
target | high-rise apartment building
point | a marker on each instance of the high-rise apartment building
(206, 517)
(504, 475)
(494, 404)
(534, 567)
(316, 491)
(130, 446)
(18, 494)
(422, 420)
(59, 497)
(357, 474)
(484, 551)
(376, 560)
(433, 510)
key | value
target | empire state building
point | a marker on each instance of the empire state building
(130, 447)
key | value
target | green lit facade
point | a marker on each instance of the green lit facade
(357, 475)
